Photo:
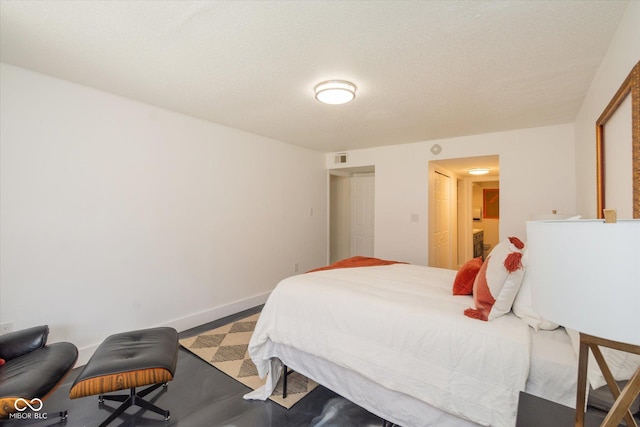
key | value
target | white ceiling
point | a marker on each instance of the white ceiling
(460, 166)
(424, 69)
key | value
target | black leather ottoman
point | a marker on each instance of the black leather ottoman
(126, 361)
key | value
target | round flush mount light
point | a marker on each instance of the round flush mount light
(478, 171)
(335, 92)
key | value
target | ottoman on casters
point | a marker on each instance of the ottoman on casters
(128, 360)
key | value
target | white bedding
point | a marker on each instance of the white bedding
(400, 327)
(554, 367)
(396, 407)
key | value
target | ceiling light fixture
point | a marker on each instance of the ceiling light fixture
(478, 171)
(335, 92)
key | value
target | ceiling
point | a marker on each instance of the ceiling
(459, 166)
(424, 69)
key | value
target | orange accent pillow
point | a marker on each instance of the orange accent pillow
(357, 261)
(498, 281)
(463, 283)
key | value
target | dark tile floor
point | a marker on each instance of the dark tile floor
(202, 396)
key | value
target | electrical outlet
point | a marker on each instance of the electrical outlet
(295, 267)
(6, 327)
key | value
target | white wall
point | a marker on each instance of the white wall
(622, 55)
(117, 215)
(537, 175)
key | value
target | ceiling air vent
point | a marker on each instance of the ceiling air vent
(341, 158)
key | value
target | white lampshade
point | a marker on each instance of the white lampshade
(335, 92)
(551, 216)
(585, 275)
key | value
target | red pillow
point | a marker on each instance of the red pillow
(463, 283)
(1, 361)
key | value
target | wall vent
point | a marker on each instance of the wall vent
(341, 158)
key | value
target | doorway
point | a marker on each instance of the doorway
(351, 212)
(456, 220)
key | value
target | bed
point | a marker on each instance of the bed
(394, 340)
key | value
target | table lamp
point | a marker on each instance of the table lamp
(585, 275)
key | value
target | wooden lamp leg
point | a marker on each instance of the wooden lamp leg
(624, 399)
(583, 361)
(620, 408)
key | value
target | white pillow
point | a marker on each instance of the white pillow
(497, 283)
(621, 364)
(523, 304)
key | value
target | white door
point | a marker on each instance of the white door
(362, 215)
(441, 223)
(340, 218)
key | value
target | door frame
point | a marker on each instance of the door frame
(453, 210)
(343, 172)
(459, 166)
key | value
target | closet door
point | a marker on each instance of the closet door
(362, 215)
(441, 237)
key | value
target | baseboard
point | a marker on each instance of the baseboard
(192, 320)
(215, 313)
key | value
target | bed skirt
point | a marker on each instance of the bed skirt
(406, 411)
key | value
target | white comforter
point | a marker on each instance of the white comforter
(399, 326)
